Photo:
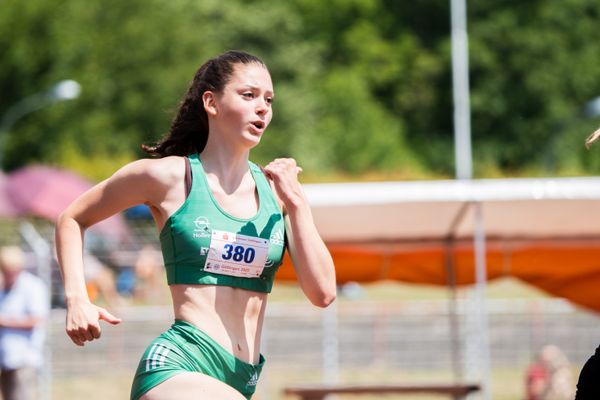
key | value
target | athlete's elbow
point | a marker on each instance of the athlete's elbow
(325, 298)
(62, 220)
(327, 292)
(66, 221)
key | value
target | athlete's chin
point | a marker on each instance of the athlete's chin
(252, 138)
(252, 141)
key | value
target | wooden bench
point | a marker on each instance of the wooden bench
(319, 392)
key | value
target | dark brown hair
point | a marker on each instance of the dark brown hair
(189, 130)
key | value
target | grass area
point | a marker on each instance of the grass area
(98, 387)
(507, 383)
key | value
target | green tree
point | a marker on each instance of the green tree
(532, 71)
(361, 85)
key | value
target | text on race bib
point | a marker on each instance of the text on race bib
(236, 255)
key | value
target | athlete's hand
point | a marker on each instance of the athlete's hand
(83, 321)
(592, 138)
(283, 172)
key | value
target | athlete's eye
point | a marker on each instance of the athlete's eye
(269, 100)
(248, 95)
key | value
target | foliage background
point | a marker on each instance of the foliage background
(363, 87)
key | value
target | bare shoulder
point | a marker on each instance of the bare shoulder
(160, 171)
(149, 181)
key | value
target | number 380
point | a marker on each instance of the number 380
(238, 253)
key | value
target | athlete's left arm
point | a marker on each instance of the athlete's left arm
(311, 258)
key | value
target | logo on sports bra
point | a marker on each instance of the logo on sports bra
(202, 228)
(277, 237)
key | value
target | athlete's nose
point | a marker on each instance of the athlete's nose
(262, 107)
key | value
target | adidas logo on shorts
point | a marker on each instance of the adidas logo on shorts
(253, 381)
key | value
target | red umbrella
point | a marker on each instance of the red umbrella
(45, 192)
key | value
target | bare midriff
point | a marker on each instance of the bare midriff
(233, 317)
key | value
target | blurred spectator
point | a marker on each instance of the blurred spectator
(24, 306)
(588, 386)
(141, 275)
(150, 276)
(549, 377)
(537, 379)
(100, 282)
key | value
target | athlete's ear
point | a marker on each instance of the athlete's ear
(209, 102)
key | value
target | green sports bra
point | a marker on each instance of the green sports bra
(202, 244)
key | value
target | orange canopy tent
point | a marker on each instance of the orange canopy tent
(545, 232)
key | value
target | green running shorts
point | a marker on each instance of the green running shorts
(185, 348)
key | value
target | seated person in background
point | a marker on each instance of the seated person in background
(100, 281)
(142, 276)
(150, 275)
(549, 377)
(538, 377)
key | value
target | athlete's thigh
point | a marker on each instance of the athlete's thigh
(192, 386)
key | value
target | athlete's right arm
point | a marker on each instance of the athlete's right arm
(142, 181)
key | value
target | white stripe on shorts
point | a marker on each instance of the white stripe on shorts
(156, 356)
(164, 356)
(151, 356)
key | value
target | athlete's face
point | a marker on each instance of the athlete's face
(243, 109)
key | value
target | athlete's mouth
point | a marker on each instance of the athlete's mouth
(258, 124)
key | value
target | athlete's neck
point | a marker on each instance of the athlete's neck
(228, 169)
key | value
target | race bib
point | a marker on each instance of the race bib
(236, 255)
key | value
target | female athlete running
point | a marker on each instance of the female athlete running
(223, 222)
